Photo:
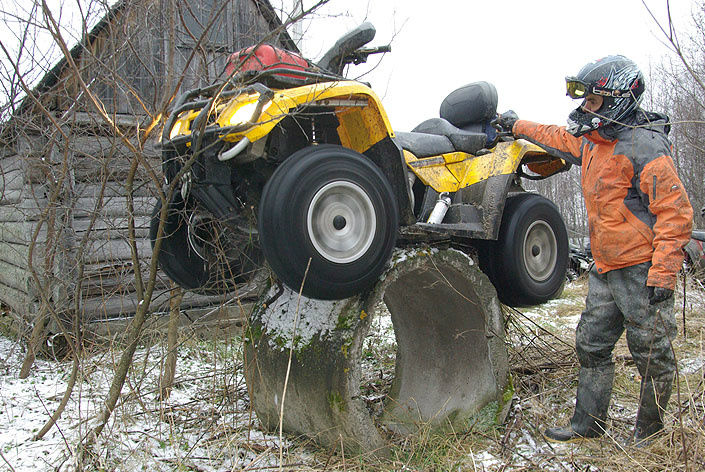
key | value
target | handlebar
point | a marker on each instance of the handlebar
(359, 56)
(500, 130)
(501, 133)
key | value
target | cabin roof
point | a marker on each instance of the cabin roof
(52, 77)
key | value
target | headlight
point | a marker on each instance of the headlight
(246, 113)
(243, 114)
(176, 130)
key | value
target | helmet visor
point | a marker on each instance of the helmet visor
(576, 88)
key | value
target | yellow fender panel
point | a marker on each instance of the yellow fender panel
(432, 171)
(454, 171)
(363, 120)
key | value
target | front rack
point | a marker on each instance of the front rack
(244, 82)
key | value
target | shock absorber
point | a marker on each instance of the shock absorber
(439, 211)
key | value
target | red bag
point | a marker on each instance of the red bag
(265, 57)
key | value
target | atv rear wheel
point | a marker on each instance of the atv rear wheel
(528, 262)
(334, 207)
(201, 254)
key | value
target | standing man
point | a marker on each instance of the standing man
(639, 218)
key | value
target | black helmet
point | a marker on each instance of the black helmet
(615, 78)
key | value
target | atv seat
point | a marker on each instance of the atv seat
(438, 136)
(696, 234)
(423, 144)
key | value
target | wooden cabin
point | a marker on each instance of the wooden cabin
(64, 167)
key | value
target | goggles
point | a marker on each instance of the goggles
(578, 89)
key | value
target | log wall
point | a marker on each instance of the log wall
(66, 201)
(22, 201)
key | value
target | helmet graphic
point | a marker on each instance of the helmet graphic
(617, 80)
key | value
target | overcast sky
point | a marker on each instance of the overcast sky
(524, 47)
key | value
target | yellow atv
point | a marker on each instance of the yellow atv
(289, 157)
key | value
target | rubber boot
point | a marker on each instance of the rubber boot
(652, 404)
(591, 404)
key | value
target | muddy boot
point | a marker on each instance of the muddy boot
(592, 402)
(652, 404)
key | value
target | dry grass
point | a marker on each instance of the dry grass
(546, 381)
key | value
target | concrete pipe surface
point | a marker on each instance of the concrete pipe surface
(451, 359)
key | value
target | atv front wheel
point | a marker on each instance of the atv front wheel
(334, 207)
(201, 254)
(528, 262)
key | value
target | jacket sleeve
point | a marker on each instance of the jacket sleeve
(547, 169)
(668, 202)
(553, 139)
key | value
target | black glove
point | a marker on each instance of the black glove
(659, 294)
(507, 119)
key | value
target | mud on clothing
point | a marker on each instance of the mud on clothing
(638, 210)
(617, 300)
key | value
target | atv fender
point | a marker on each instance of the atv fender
(452, 171)
(364, 121)
(389, 157)
(490, 196)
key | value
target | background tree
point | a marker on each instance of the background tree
(678, 89)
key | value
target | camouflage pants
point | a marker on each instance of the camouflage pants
(618, 300)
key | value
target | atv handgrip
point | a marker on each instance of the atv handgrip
(360, 56)
(500, 129)
(501, 133)
(377, 50)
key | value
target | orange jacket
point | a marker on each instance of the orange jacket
(637, 208)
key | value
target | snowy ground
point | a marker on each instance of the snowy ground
(207, 424)
(207, 410)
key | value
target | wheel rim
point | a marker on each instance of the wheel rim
(341, 222)
(540, 251)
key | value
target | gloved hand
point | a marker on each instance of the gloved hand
(659, 294)
(507, 119)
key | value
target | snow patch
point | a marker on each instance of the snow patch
(401, 254)
(692, 365)
(471, 261)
